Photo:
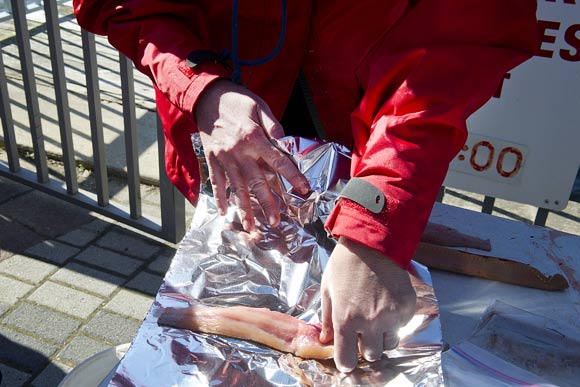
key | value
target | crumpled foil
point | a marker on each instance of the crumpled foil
(279, 268)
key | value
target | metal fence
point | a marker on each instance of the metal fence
(488, 206)
(29, 5)
(171, 225)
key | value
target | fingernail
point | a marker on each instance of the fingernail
(247, 225)
(273, 220)
(391, 342)
(344, 369)
(371, 357)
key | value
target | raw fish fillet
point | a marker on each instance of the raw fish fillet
(441, 235)
(274, 329)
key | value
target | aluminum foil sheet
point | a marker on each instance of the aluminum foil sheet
(279, 268)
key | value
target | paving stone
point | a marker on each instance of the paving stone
(53, 251)
(64, 299)
(52, 375)
(28, 269)
(112, 328)
(130, 303)
(4, 254)
(566, 221)
(162, 262)
(87, 278)
(11, 290)
(127, 243)
(38, 211)
(80, 349)
(109, 260)
(15, 237)
(10, 189)
(464, 199)
(3, 308)
(25, 352)
(79, 238)
(146, 283)
(12, 377)
(99, 226)
(42, 322)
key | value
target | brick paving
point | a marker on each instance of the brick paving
(67, 295)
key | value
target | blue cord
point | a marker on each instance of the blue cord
(237, 62)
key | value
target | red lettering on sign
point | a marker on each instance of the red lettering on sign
(473, 162)
(544, 25)
(497, 93)
(573, 40)
(517, 165)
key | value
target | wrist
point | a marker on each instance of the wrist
(209, 97)
(371, 256)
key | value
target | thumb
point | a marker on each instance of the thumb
(327, 332)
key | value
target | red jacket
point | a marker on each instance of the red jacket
(395, 82)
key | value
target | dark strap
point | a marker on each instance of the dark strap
(311, 107)
(365, 194)
(198, 57)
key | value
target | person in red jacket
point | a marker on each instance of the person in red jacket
(394, 80)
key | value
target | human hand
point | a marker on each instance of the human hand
(235, 128)
(366, 298)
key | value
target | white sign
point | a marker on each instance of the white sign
(525, 145)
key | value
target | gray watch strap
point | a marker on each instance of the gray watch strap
(365, 194)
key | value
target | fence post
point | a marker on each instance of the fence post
(130, 130)
(7, 122)
(23, 39)
(172, 202)
(62, 105)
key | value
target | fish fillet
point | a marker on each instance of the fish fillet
(274, 329)
(441, 235)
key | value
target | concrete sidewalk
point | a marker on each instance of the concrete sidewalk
(71, 285)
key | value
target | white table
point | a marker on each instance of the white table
(463, 299)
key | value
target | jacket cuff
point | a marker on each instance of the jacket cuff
(201, 76)
(395, 232)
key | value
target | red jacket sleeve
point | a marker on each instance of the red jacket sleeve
(437, 66)
(157, 36)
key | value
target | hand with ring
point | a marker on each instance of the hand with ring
(236, 127)
(366, 298)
